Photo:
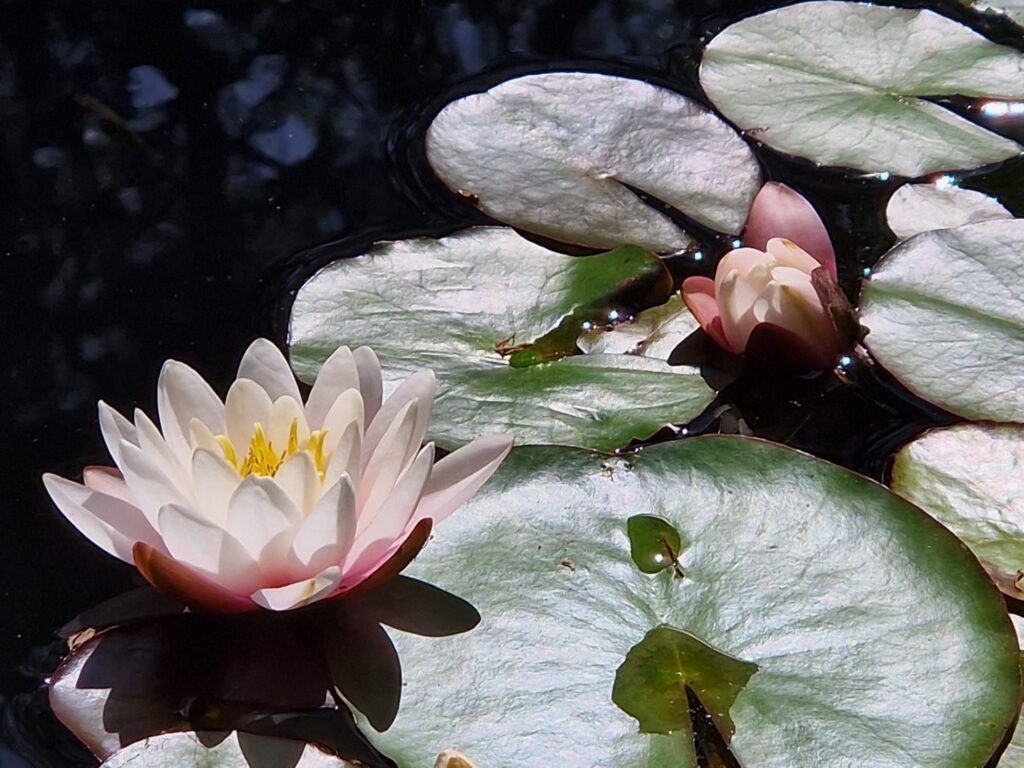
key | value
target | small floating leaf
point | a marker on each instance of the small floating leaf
(653, 681)
(854, 85)
(916, 208)
(945, 314)
(654, 543)
(561, 153)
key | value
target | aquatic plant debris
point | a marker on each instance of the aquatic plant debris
(854, 85)
(561, 153)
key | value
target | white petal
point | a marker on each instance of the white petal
(388, 462)
(285, 412)
(246, 405)
(346, 457)
(115, 428)
(325, 537)
(149, 486)
(299, 479)
(264, 364)
(418, 388)
(346, 411)
(460, 474)
(736, 303)
(215, 483)
(789, 254)
(208, 548)
(337, 374)
(300, 593)
(371, 385)
(200, 436)
(154, 446)
(108, 522)
(183, 395)
(389, 518)
(261, 516)
(109, 481)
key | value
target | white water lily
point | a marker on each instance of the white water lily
(263, 501)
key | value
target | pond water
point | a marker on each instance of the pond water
(173, 175)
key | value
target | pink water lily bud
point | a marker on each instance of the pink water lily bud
(265, 501)
(763, 300)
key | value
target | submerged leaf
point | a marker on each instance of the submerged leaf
(854, 85)
(654, 543)
(660, 672)
(561, 153)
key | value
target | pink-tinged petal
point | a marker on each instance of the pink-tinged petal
(108, 522)
(371, 385)
(418, 388)
(392, 564)
(208, 549)
(325, 537)
(459, 475)
(346, 455)
(216, 482)
(285, 412)
(259, 512)
(300, 593)
(156, 448)
(337, 374)
(246, 405)
(109, 481)
(299, 479)
(387, 462)
(147, 483)
(779, 211)
(736, 307)
(264, 363)
(699, 296)
(115, 428)
(383, 526)
(346, 411)
(186, 585)
(183, 395)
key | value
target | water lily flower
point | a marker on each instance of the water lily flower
(763, 299)
(263, 501)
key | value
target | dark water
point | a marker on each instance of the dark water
(167, 166)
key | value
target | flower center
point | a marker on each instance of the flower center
(263, 460)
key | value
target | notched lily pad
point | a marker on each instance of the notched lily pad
(660, 672)
(457, 304)
(561, 153)
(916, 208)
(654, 544)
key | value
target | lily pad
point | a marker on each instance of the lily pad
(561, 153)
(654, 333)
(235, 750)
(879, 639)
(854, 85)
(970, 477)
(945, 313)
(455, 304)
(654, 544)
(917, 208)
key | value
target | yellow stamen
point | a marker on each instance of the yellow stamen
(228, 449)
(261, 458)
(293, 438)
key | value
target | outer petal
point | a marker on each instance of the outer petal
(418, 388)
(115, 428)
(108, 522)
(209, 549)
(109, 481)
(246, 405)
(779, 211)
(337, 374)
(156, 448)
(347, 410)
(177, 580)
(736, 305)
(387, 462)
(699, 295)
(148, 484)
(371, 385)
(324, 538)
(259, 512)
(393, 562)
(264, 363)
(215, 481)
(300, 593)
(346, 456)
(183, 395)
(460, 474)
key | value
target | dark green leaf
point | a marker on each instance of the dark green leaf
(654, 544)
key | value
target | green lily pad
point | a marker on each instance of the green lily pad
(945, 311)
(879, 639)
(654, 544)
(970, 477)
(233, 750)
(561, 153)
(916, 208)
(456, 304)
(854, 85)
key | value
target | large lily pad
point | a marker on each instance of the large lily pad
(916, 208)
(233, 750)
(970, 477)
(853, 85)
(878, 638)
(451, 304)
(945, 314)
(560, 154)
